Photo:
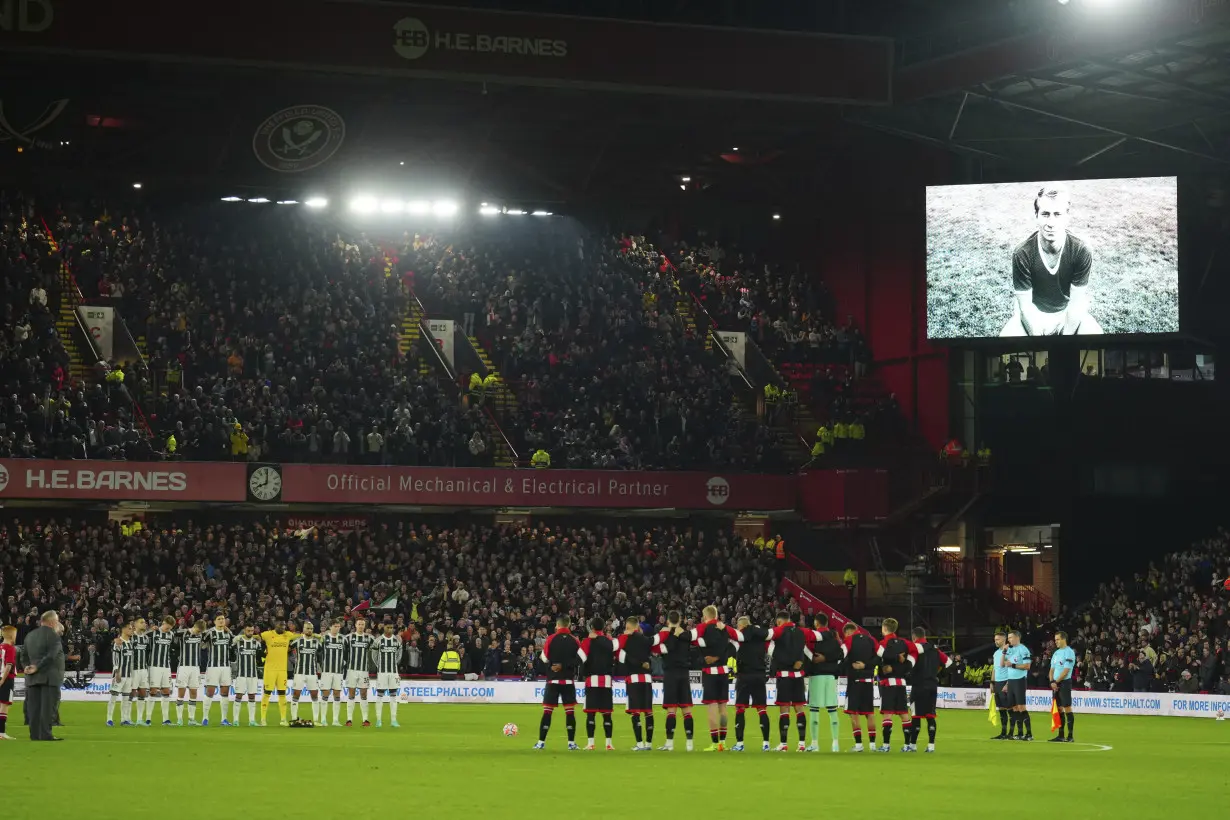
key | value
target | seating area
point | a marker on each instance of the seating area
(604, 371)
(496, 590)
(1164, 629)
(267, 335)
(44, 410)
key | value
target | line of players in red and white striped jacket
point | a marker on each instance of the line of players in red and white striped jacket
(805, 663)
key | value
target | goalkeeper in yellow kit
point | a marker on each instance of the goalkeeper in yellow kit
(277, 647)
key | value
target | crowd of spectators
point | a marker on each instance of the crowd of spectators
(496, 591)
(268, 336)
(1165, 629)
(586, 333)
(788, 314)
(43, 413)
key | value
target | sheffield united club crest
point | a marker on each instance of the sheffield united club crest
(299, 138)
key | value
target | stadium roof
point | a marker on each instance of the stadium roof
(1008, 83)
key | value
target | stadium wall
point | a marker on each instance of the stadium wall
(530, 692)
(870, 250)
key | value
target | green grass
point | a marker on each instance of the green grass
(452, 761)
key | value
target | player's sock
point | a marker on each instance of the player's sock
(111, 701)
(713, 736)
(907, 729)
(1029, 729)
(636, 728)
(813, 723)
(764, 723)
(1017, 725)
(4, 723)
(337, 710)
(251, 711)
(545, 726)
(145, 709)
(363, 710)
(670, 727)
(125, 710)
(688, 726)
(192, 710)
(931, 731)
(722, 724)
(570, 720)
(608, 726)
(783, 726)
(740, 723)
(1004, 725)
(264, 706)
(590, 722)
(886, 729)
(294, 710)
(871, 735)
(281, 708)
(649, 728)
(393, 707)
(800, 720)
(833, 727)
(235, 709)
(179, 710)
(858, 736)
(350, 711)
(1071, 722)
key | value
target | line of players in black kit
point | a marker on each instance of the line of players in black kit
(805, 664)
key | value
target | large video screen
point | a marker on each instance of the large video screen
(1053, 258)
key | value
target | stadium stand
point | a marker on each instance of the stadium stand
(1164, 629)
(603, 369)
(47, 408)
(484, 585)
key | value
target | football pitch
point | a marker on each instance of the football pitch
(453, 761)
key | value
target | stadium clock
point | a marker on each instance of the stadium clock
(265, 483)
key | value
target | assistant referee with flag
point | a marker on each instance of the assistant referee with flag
(1062, 664)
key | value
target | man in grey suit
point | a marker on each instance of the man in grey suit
(44, 675)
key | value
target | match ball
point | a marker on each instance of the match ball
(510, 730)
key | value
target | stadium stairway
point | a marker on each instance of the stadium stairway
(79, 370)
(504, 401)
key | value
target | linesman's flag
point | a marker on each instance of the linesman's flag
(992, 712)
(1056, 717)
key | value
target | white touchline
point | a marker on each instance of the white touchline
(1097, 747)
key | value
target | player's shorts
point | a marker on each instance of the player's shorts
(160, 677)
(247, 686)
(140, 679)
(751, 690)
(388, 680)
(121, 686)
(822, 692)
(188, 677)
(790, 692)
(1063, 695)
(360, 679)
(6, 692)
(714, 688)
(560, 693)
(893, 701)
(331, 681)
(275, 680)
(676, 689)
(860, 698)
(309, 682)
(600, 699)
(640, 698)
(1016, 692)
(924, 697)
(218, 676)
